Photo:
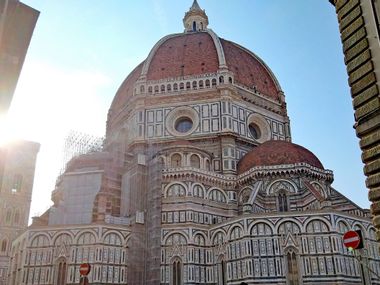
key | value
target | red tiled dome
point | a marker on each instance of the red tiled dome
(193, 54)
(277, 153)
(126, 88)
(248, 70)
(190, 54)
(183, 55)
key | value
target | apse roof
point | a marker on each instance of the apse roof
(276, 152)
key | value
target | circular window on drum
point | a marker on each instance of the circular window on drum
(182, 121)
(183, 125)
(258, 128)
(254, 130)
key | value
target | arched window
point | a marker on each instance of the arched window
(177, 272)
(219, 238)
(282, 202)
(176, 160)
(156, 89)
(236, 233)
(175, 239)
(113, 239)
(62, 239)
(221, 79)
(317, 226)
(40, 241)
(207, 83)
(162, 88)
(230, 80)
(176, 190)
(142, 89)
(213, 82)
(291, 260)
(61, 272)
(181, 86)
(199, 240)
(194, 85)
(342, 227)
(194, 161)
(169, 87)
(194, 26)
(201, 84)
(4, 244)
(150, 89)
(175, 86)
(217, 195)
(289, 227)
(86, 238)
(187, 85)
(198, 191)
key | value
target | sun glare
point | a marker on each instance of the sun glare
(8, 132)
(49, 102)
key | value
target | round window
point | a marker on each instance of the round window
(255, 131)
(183, 125)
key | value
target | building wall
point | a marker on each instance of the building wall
(359, 26)
(17, 164)
(17, 22)
(255, 247)
(37, 253)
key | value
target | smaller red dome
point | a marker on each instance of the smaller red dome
(277, 153)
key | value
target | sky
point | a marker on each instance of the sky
(82, 50)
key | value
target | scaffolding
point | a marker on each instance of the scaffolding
(77, 143)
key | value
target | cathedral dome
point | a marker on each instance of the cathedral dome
(192, 54)
(197, 52)
(274, 152)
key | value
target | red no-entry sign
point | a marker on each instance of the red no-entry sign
(84, 269)
(351, 239)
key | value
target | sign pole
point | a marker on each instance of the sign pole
(83, 280)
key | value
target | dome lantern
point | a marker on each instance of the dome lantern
(195, 19)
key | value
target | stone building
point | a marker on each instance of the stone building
(17, 22)
(360, 32)
(17, 165)
(198, 182)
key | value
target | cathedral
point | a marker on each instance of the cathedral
(198, 182)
